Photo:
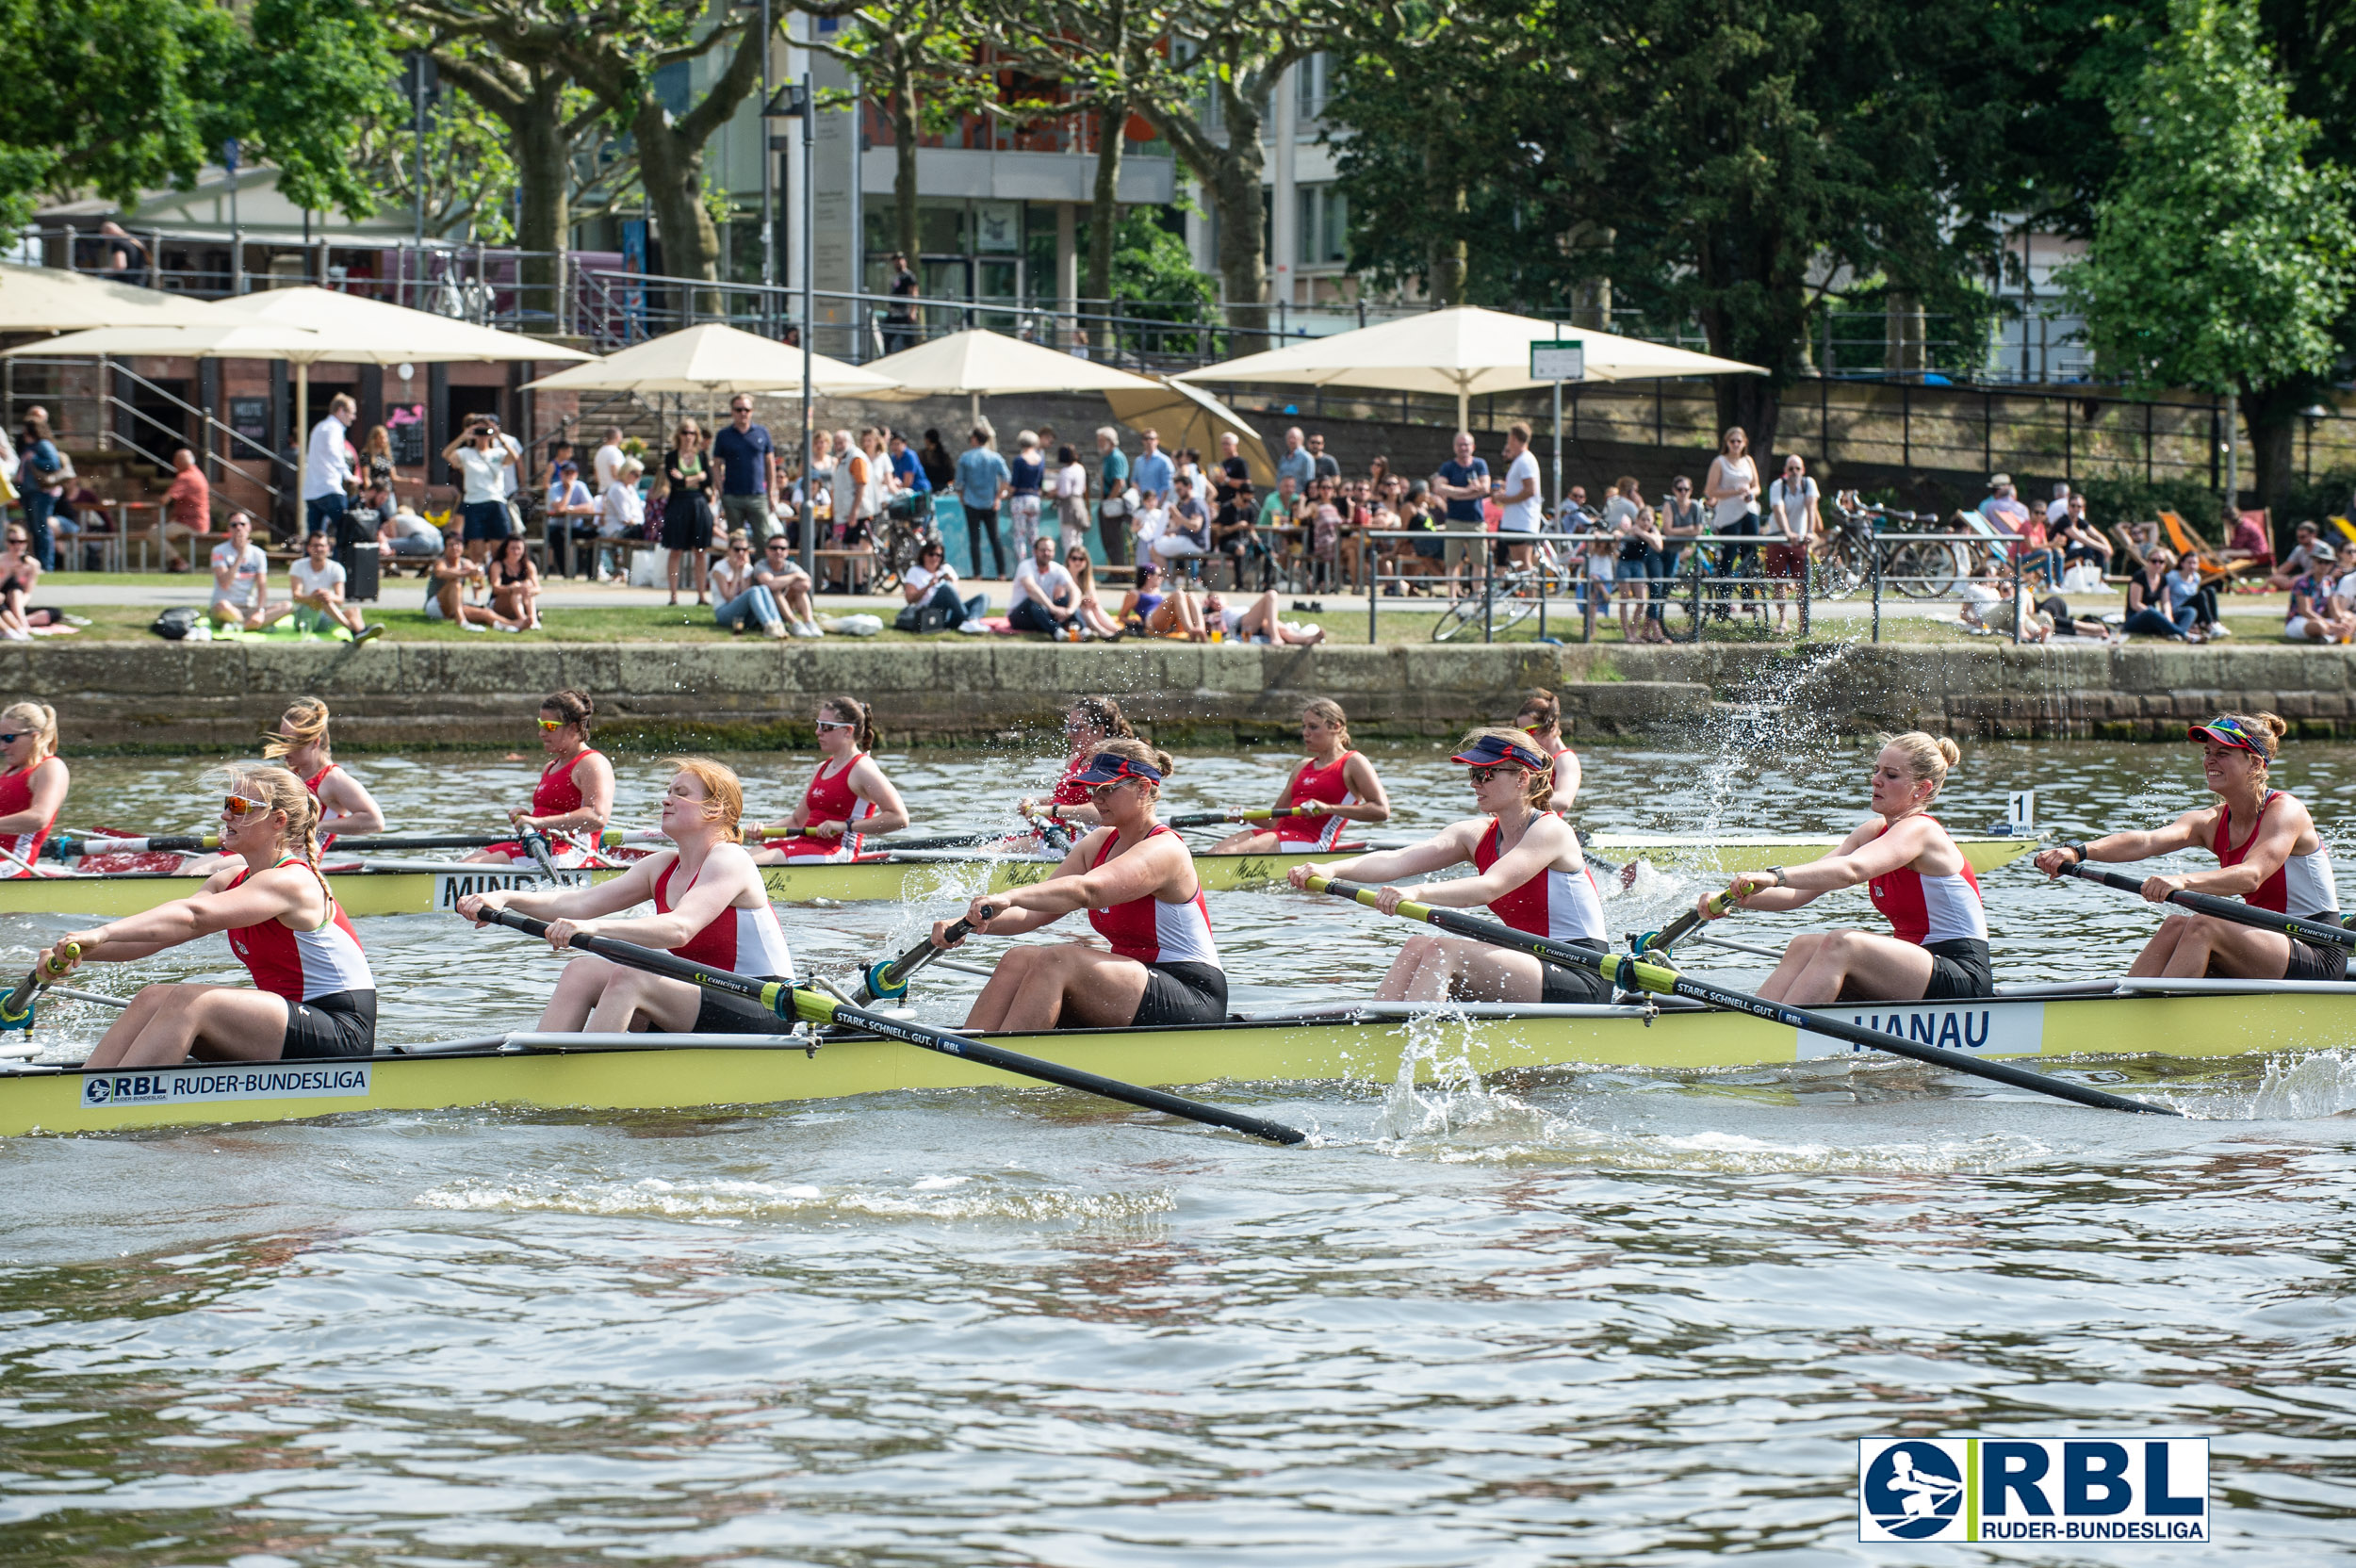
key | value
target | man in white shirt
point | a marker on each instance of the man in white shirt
(1045, 596)
(621, 514)
(241, 578)
(327, 476)
(481, 460)
(318, 592)
(2059, 508)
(1523, 512)
(608, 461)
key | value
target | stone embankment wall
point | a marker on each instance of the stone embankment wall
(178, 697)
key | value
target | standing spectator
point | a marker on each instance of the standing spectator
(1326, 467)
(607, 464)
(560, 453)
(739, 599)
(852, 478)
(1027, 473)
(2002, 506)
(941, 469)
(242, 579)
(50, 472)
(1297, 462)
(906, 472)
(900, 319)
(1524, 510)
(1641, 562)
(870, 485)
(327, 476)
(1046, 599)
(747, 459)
(480, 458)
(1153, 473)
(1791, 502)
(982, 483)
(621, 514)
(2059, 508)
(377, 476)
(687, 506)
(1463, 483)
(511, 477)
(1234, 472)
(188, 510)
(1325, 535)
(1682, 524)
(1071, 498)
(319, 589)
(571, 514)
(1731, 488)
(120, 250)
(1112, 476)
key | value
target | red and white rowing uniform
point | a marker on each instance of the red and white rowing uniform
(312, 782)
(16, 794)
(2302, 886)
(1069, 789)
(1317, 786)
(1151, 930)
(1559, 903)
(555, 794)
(743, 941)
(1926, 910)
(830, 798)
(303, 966)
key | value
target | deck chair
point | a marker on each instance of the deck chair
(2185, 542)
(2348, 529)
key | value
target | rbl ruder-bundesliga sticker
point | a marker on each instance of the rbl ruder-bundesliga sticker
(2085, 1489)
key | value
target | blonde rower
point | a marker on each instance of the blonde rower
(312, 993)
(848, 799)
(1937, 949)
(2268, 854)
(300, 743)
(709, 907)
(1332, 775)
(1137, 881)
(1527, 872)
(33, 784)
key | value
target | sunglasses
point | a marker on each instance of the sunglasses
(1098, 791)
(9, 740)
(1482, 774)
(835, 723)
(241, 808)
(550, 726)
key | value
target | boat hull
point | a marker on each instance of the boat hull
(645, 1075)
(426, 890)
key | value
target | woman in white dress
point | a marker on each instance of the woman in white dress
(1732, 491)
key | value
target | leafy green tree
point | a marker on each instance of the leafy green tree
(116, 97)
(2222, 258)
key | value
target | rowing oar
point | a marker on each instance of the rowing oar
(791, 1002)
(2224, 908)
(1636, 974)
(194, 844)
(537, 845)
(888, 980)
(1661, 942)
(16, 1008)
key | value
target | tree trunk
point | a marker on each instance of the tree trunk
(671, 172)
(2272, 414)
(544, 219)
(1452, 257)
(1230, 176)
(1902, 333)
(1105, 217)
(1591, 298)
(905, 128)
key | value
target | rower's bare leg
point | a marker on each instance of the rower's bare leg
(2161, 949)
(2212, 946)
(166, 1024)
(1816, 968)
(1441, 969)
(576, 992)
(634, 1000)
(1251, 841)
(1065, 987)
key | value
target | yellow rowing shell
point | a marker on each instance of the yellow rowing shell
(418, 890)
(1700, 853)
(657, 1073)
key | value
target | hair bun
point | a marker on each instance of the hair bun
(1949, 752)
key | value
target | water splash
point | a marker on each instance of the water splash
(938, 1198)
(2289, 1088)
(1453, 1106)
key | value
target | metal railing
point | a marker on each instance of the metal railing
(109, 411)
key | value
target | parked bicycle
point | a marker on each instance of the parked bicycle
(1917, 568)
(1511, 594)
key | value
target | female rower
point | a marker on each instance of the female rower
(709, 907)
(848, 799)
(1333, 776)
(2268, 854)
(33, 781)
(1917, 878)
(576, 790)
(300, 743)
(1528, 870)
(1136, 879)
(1541, 717)
(1087, 725)
(312, 993)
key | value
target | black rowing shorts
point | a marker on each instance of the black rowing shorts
(1564, 983)
(2317, 961)
(722, 1014)
(341, 1024)
(1960, 970)
(1183, 994)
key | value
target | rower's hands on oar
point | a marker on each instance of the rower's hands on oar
(1739, 887)
(65, 957)
(1299, 875)
(825, 829)
(562, 932)
(2052, 863)
(2156, 889)
(1387, 899)
(472, 905)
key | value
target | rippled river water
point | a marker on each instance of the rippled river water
(1573, 1316)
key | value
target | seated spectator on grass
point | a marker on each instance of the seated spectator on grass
(778, 572)
(242, 579)
(2151, 608)
(2192, 592)
(319, 591)
(933, 582)
(1046, 599)
(1143, 597)
(403, 533)
(515, 585)
(1092, 614)
(447, 585)
(1258, 623)
(739, 600)
(2081, 542)
(2307, 555)
(2314, 615)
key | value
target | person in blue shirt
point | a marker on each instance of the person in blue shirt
(1297, 462)
(904, 463)
(1112, 511)
(749, 473)
(1463, 481)
(983, 481)
(1154, 472)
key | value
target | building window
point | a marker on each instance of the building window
(1314, 83)
(1324, 225)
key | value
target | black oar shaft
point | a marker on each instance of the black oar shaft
(1636, 974)
(2223, 909)
(791, 1001)
(888, 981)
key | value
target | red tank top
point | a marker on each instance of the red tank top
(301, 965)
(742, 941)
(1152, 931)
(312, 783)
(1317, 786)
(556, 792)
(1069, 789)
(1925, 909)
(16, 794)
(1558, 904)
(831, 799)
(2273, 893)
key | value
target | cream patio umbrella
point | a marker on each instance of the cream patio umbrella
(1187, 415)
(50, 299)
(978, 364)
(1463, 352)
(713, 358)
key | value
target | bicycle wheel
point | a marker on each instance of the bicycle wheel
(1462, 614)
(1928, 571)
